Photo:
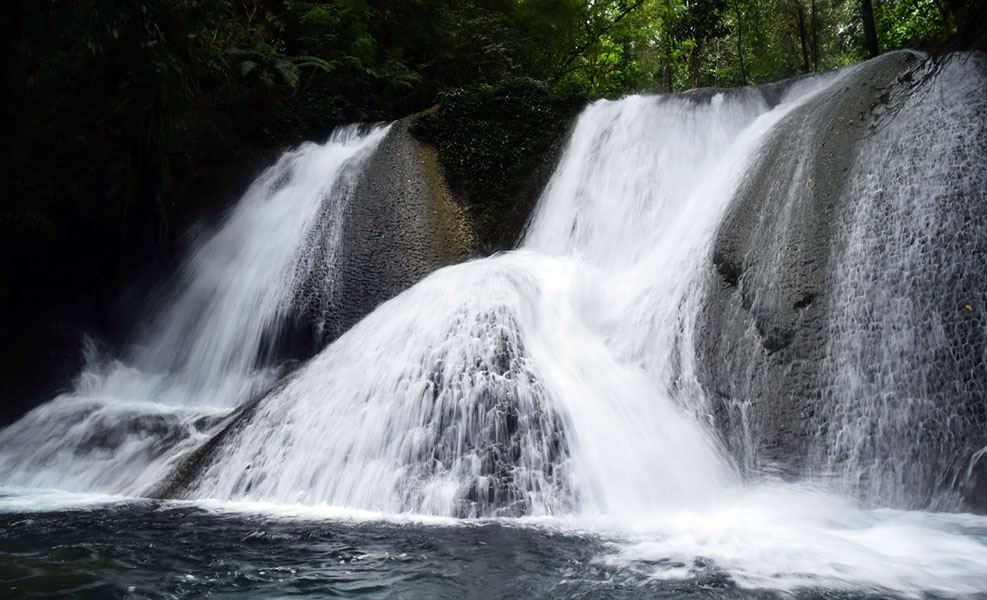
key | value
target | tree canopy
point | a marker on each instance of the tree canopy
(129, 100)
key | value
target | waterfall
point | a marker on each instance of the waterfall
(569, 376)
(845, 318)
(743, 327)
(641, 349)
(551, 380)
(241, 286)
(208, 348)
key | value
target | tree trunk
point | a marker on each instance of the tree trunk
(694, 57)
(814, 25)
(740, 42)
(716, 62)
(870, 30)
(800, 22)
(669, 49)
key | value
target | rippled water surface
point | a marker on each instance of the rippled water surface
(185, 552)
(163, 550)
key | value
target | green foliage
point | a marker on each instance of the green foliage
(271, 67)
(491, 137)
(911, 23)
(158, 88)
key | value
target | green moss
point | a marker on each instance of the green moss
(449, 223)
(491, 138)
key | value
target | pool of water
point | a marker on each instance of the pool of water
(138, 549)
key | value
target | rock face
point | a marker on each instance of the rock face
(400, 223)
(764, 327)
(444, 428)
(844, 325)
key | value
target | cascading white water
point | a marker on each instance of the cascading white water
(550, 380)
(240, 285)
(126, 422)
(560, 379)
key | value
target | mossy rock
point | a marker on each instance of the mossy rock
(491, 138)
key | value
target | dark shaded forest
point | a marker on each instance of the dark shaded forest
(126, 121)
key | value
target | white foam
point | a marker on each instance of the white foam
(789, 537)
(35, 500)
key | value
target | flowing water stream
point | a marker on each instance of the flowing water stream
(533, 424)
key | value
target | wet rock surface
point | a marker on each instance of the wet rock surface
(401, 225)
(764, 322)
(806, 309)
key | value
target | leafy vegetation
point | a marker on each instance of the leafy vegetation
(157, 88)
